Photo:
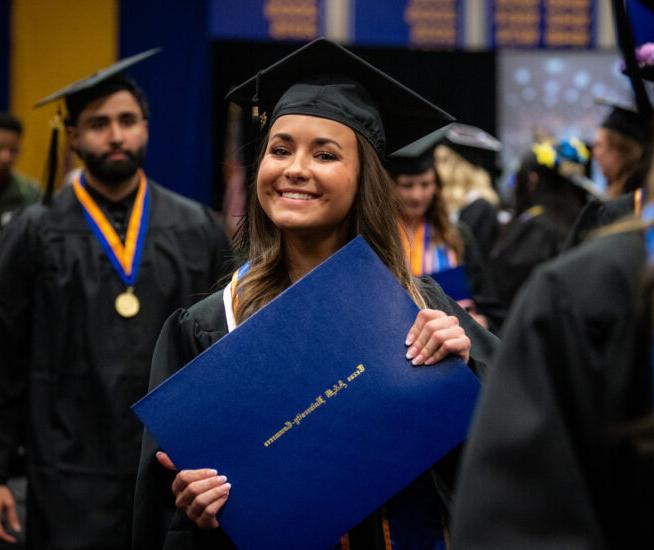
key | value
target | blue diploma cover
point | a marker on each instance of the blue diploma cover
(311, 409)
(454, 282)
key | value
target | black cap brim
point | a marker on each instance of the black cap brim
(417, 157)
(406, 115)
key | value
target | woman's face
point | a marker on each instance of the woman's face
(307, 178)
(416, 193)
(607, 157)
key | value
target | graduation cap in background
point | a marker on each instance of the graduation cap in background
(624, 120)
(569, 158)
(323, 79)
(82, 92)
(417, 157)
(474, 145)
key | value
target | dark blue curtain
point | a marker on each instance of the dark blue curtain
(178, 85)
(5, 21)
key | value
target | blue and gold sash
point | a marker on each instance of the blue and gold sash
(124, 257)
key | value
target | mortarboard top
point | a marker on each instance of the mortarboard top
(417, 157)
(624, 120)
(101, 83)
(324, 79)
(474, 145)
(569, 158)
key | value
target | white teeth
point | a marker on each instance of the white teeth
(299, 196)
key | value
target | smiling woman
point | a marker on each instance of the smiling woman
(320, 182)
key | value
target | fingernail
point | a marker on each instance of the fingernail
(417, 360)
(409, 339)
(228, 486)
(158, 453)
(222, 479)
(411, 353)
(212, 472)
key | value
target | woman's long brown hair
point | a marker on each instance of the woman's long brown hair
(372, 216)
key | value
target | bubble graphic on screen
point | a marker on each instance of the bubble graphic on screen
(552, 87)
(581, 79)
(554, 65)
(522, 75)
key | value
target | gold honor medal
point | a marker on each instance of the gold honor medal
(127, 304)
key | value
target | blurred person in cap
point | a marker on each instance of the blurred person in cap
(619, 149)
(86, 281)
(466, 162)
(16, 190)
(320, 182)
(432, 244)
(561, 450)
(622, 149)
(550, 191)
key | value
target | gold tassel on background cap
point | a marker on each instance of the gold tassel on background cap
(56, 125)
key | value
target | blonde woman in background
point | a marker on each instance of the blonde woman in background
(464, 161)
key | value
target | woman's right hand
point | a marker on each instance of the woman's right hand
(200, 494)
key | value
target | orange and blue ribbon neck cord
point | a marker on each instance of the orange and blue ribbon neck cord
(417, 252)
(124, 257)
(640, 197)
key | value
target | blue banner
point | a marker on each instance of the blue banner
(267, 19)
(428, 23)
(542, 23)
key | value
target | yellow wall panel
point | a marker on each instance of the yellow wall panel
(53, 43)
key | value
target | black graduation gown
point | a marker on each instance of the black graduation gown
(528, 242)
(157, 523)
(541, 470)
(481, 217)
(481, 285)
(70, 366)
(598, 214)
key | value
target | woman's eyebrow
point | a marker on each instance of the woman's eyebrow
(324, 141)
(282, 136)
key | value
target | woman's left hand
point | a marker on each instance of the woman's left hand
(434, 336)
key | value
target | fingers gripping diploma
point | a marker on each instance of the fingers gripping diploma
(200, 494)
(8, 515)
(435, 335)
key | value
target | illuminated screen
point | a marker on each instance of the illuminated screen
(553, 93)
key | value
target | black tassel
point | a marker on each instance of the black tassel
(53, 161)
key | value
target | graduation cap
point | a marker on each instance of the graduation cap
(474, 145)
(82, 92)
(624, 120)
(569, 158)
(323, 79)
(417, 157)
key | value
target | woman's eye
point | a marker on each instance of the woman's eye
(279, 151)
(324, 155)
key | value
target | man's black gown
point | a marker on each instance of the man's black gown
(157, 524)
(544, 467)
(70, 366)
